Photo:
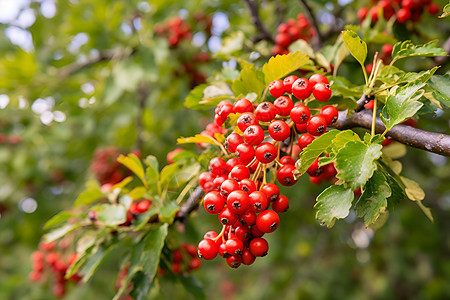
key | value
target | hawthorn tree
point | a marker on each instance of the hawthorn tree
(315, 131)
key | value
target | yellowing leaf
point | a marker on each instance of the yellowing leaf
(356, 46)
(281, 65)
(413, 189)
(198, 138)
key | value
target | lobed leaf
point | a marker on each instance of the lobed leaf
(250, 81)
(282, 65)
(441, 86)
(408, 49)
(333, 203)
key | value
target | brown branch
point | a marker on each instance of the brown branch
(315, 24)
(263, 33)
(430, 141)
(191, 204)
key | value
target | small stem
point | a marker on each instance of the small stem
(220, 234)
(374, 117)
(264, 93)
(253, 160)
(255, 175)
(264, 172)
(365, 74)
(278, 163)
(186, 189)
(279, 151)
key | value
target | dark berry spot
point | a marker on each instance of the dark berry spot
(274, 225)
(257, 206)
(211, 207)
(236, 205)
(224, 221)
(273, 198)
(320, 129)
(268, 155)
(287, 180)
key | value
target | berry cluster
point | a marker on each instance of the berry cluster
(184, 260)
(56, 264)
(175, 30)
(402, 10)
(237, 187)
(291, 31)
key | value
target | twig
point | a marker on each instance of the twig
(430, 141)
(191, 204)
(263, 33)
(313, 21)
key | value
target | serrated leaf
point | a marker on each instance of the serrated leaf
(133, 163)
(356, 46)
(60, 232)
(355, 163)
(111, 214)
(342, 138)
(281, 65)
(445, 11)
(413, 189)
(333, 203)
(373, 201)
(408, 49)
(58, 219)
(92, 262)
(441, 85)
(250, 81)
(89, 196)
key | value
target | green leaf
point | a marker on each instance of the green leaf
(355, 163)
(152, 170)
(137, 193)
(333, 203)
(373, 201)
(195, 96)
(58, 219)
(413, 189)
(92, 263)
(89, 196)
(60, 232)
(281, 65)
(342, 138)
(408, 49)
(341, 54)
(111, 214)
(123, 183)
(250, 81)
(441, 85)
(356, 46)
(445, 11)
(168, 212)
(142, 219)
(133, 163)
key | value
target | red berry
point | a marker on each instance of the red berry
(301, 88)
(266, 153)
(247, 185)
(247, 257)
(242, 232)
(284, 105)
(403, 15)
(239, 172)
(281, 204)
(304, 140)
(243, 105)
(254, 135)
(271, 190)
(258, 201)
(279, 130)
(223, 251)
(195, 263)
(256, 232)
(330, 113)
(227, 217)
(207, 249)
(362, 13)
(217, 182)
(314, 169)
(234, 246)
(245, 120)
(316, 78)
(210, 235)
(317, 125)
(301, 127)
(206, 181)
(238, 202)
(214, 202)
(226, 109)
(300, 114)
(217, 166)
(248, 219)
(234, 261)
(288, 81)
(387, 49)
(245, 153)
(265, 111)
(133, 208)
(267, 221)
(285, 175)
(433, 8)
(143, 206)
(321, 91)
(316, 180)
(287, 160)
(231, 163)
(259, 247)
(171, 154)
(177, 256)
(282, 39)
(228, 186)
(276, 88)
(232, 141)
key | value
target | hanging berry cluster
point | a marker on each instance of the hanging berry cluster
(402, 10)
(237, 189)
(175, 30)
(184, 260)
(289, 32)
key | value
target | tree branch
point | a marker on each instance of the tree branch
(430, 141)
(313, 21)
(263, 33)
(191, 204)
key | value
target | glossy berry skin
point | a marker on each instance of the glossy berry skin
(267, 221)
(287, 160)
(271, 190)
(276, 88)
(258, 201)
(214, 202)
(266, 153)
(330, 113)
(288, 82)
(254, 135)
(301, 128)
(234, 246)
(300, 114)
(238, 202)
(433, 8)
(285, 176)
(232, 141)
(284, 105)
(321, 91)
(248, 219)
(279, 130)
(314, 169)
(243, 105)
(217, 166)
(317, 125)
(226, 217)
(245, 120)
(239, 172)
(245, 153)
(258, 247)
(225, 110)
(256, 232)
(403, 15)
(242, 232)
(281, 204)
(228, 186)
(209, 235)
(231, 163)
(223, 251)
(207, 249)
(301, 88)
(265, 111)
(316, 78)
(247, 185)
(234, 261)
(217, 182)
(143, 206)
(304, 140)
(247, 257)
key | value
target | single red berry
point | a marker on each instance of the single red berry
(226, 217)
(243, 105)
(143, 206)
(362, 13)
(321, 91)
(217, 166)
(234, 246)
(177, 256)
(172, 153)
(35, 275)
(283, 28)
(300, 114)
(403, 15)
(238, 202)
(207, 249)
(245, 120)
(316, 180)
(284, 105)
(190, 249)
(282, 39)
(195, 263)
(248, 219)
(329, 171)
(214, 202)
(259, 247)
(281, 204)
(228, 186)
(433, 8)
(330, 113)
(276, 88)
(206, 181)
(133, 208)
(266, 153)
(408, 4)
(271, 190)
(242, 232)
(374, 11)
(317, 125)
(387, 49)
(223, 251)
(265, 111)
(225, 110)
(254, 135)
(210, 235)
(287, 160)
(256, 232)
(247, 257)
(279, 130)
(288, 81)
(285, 175)
(369, 105)
(301, 128)
(239, 172)
(217, 182)
(304, 140)
(301, 88)
(231, 163)
(314, 170)
(232, 141)
(258, 201)
(267, 221)
(247, 185)
(234, 261)
(245, 153)
(316, 78)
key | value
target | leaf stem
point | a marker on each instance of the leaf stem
(374, 117)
